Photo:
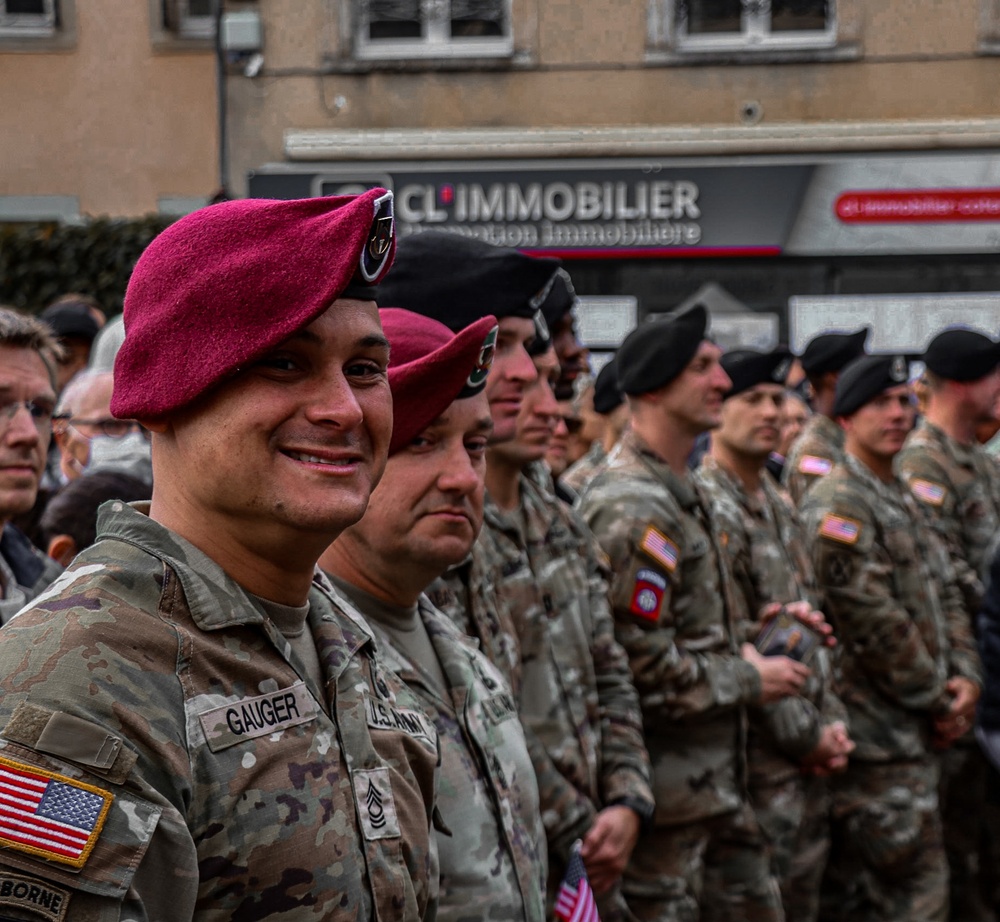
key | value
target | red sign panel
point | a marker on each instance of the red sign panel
(918, 206)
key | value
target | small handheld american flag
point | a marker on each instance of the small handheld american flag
(575, 901)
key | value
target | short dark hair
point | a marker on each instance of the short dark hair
(73, 510)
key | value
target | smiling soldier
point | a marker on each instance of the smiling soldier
(195, 725)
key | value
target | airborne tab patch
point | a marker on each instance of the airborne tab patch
(660, 548)
(34, 896)
(928, 492)
(840, 528)
(815, 465)
(647, 595)
(48, 815)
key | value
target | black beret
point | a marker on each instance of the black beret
(607, 394)
(560, 299)
(655, 353)
(457, 280)
(959, 354)
(865, 378)
(832, 351)
(71, 319)
(747, 368)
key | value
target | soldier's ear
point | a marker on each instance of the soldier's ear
(62, 549)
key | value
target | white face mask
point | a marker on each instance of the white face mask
(129, 454)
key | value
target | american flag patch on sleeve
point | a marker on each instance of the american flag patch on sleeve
(660, 548)
(48, 815)
(928, 492)
(840, 528)
(812, 464)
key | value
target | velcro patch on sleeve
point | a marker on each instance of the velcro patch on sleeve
(376, 807)
(933, 494)
(660, 548)
(49, 815)
(647, 594)
(815, 465)
(36, 897)
(840, 528)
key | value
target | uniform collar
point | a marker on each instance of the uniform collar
(682, 488)
(214, 599)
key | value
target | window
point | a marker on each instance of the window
(402, 29)
(749, 25)
(190, 18)
(28, 18)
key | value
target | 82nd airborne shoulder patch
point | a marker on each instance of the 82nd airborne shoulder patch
(647, 594)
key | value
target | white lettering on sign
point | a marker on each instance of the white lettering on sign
(558, 201)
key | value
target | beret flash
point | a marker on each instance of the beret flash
(430, 367)
(655, 353)
(832, 351)
(960, 354)
(457, 280)
(607, 394)
(865, 378)
(223, 285)
(747, 368)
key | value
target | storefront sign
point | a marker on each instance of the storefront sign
(835, 204)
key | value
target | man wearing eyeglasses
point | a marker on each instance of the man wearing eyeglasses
(90, 438)
(27, 395)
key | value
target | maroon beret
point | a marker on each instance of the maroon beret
(222, 286)
(430, 367)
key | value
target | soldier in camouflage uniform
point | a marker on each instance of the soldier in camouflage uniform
(764, 545)
(576, 695)
(457, 281)
(675, 615)
(909, 673)
(958, 487)
(28, 354)
(609, 406)
(198, 725)
(821, 444)
(423, 516)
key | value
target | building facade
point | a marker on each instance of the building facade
(109, 108)
(777, 147)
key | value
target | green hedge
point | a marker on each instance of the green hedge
(39, 262)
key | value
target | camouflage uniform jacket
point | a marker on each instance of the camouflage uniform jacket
(813, 455)
(578, 474)
(576, 697)
(468, 595)
(493, 862)
(767, 553)
(893, 600)
(216, 780)
(671, 597)
(958, 487)
(24, 571)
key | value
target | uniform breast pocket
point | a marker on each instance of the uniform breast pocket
(900, 541)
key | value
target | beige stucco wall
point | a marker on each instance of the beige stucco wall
(110, 120)
(588, 63)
